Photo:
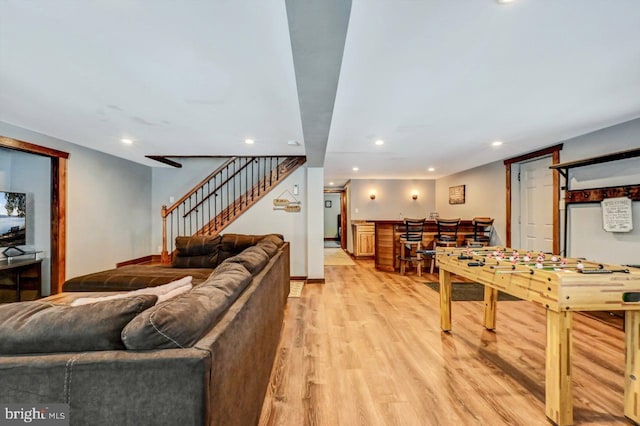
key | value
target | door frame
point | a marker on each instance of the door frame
(343, 213)
(554, 152)
(58, 204)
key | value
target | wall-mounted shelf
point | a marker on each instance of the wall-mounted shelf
(594, 195)
(564, 168)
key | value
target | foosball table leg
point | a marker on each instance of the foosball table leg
(490, 306)
(445, 300)
(632, 369)
(558, 386)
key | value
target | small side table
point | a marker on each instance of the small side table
(20, 274)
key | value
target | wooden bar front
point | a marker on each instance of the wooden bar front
(387, 240)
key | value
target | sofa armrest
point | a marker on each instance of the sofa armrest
(168, 386)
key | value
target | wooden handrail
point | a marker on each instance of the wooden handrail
(175, 205)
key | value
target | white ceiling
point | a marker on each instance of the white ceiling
(437, 80)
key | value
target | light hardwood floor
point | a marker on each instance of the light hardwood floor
(365, 348)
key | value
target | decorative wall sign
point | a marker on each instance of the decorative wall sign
(456, 194)
(286, 204)
(616, 214)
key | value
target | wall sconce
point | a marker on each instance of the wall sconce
(414, 196)
(372, 195)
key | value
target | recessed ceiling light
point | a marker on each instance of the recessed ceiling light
(331, 183)
(504, 1)
(355, 169)
(431, 169)
(379, 142)
(249, 141)
(496, 143)
(126, 141)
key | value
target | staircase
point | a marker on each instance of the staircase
(223, 196)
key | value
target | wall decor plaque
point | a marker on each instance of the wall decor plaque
(456, 194)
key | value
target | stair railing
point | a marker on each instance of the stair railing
(220, 197)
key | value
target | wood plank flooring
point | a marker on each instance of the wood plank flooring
(365, 348)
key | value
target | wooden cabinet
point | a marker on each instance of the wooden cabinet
(363, 239)
(21, 278)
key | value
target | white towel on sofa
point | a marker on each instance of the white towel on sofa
(164, 292)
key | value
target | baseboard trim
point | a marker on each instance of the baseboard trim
(298, 278)
(315, 280)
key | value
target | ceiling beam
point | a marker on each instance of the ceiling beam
(318, 30)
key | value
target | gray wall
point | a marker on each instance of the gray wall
(108, 205)
(393, 199)
(587, 237)
(485, 195)
(172, 183)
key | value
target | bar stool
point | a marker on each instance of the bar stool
(411, 240)
(446, 236)
(482, 231)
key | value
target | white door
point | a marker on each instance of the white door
(536, 205)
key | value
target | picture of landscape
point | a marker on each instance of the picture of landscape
(13, 230)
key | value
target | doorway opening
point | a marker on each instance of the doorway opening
(533, 201)
(335, 219)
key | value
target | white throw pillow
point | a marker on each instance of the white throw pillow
(164, 292)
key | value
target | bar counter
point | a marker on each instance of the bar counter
(387, 240)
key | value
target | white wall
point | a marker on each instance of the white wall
(485, 195)
(331, 215)
(108, 205)
(315, 223)
(261, 218)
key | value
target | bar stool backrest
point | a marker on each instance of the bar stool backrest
(413, 229)
(447, 230)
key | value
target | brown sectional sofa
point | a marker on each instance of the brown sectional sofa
(201, 358)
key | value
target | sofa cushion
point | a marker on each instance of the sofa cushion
(36, 327)
(277, 239)
(230, 277)
(200, 251)
(252, 258)
(268, 246)
(181, 322)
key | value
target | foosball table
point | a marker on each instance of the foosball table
(561, 286)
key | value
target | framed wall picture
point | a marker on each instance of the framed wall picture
(456, 194)
(327, 204)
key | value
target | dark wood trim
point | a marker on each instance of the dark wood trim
(508, 191)
(30, 148)
(315, 280)
(331, 239)
(535, 154)
(554, 152)
(58, 223)
(164, 160)
(595, 195)
(298, 278)
(555, 244)
(58, 205)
